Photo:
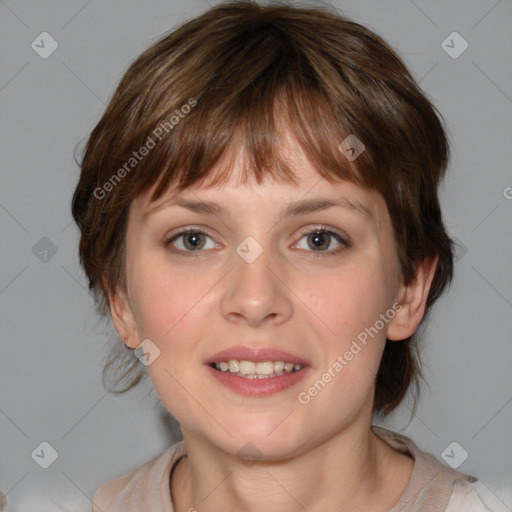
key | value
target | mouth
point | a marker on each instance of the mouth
(257, 370)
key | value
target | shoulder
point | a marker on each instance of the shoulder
(147, 484)
(108, 491)
(434, 486)
(473, 497)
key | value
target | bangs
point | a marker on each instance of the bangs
(253, 102)
(261, 125)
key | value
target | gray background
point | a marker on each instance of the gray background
(53, 345)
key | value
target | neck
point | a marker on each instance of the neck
(352, 471)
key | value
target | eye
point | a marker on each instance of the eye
(321, 239)
(189, 241)
(192, 241)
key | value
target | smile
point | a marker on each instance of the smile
(257, 370)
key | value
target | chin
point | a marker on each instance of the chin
(262, 444)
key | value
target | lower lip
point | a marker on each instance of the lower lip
(258, 387)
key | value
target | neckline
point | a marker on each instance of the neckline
(425, 470)
(424, 464)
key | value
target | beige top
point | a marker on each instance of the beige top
(433, 487)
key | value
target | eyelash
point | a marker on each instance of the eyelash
(319, 254)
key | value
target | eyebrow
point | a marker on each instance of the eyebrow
(301, 207)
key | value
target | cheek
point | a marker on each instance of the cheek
(156, 310)
(349, 301)
(165, 300)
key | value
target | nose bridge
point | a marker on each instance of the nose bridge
(255, 292)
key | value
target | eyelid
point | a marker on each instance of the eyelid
(323, 228)
(188, 229)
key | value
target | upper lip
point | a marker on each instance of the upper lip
(259, 354)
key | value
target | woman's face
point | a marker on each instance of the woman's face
(250, 277)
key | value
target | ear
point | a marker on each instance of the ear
(413, 299)
(123, 319)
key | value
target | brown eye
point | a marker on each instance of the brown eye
(194, 241)
(322, 241)
(190, 241)
(319, 241)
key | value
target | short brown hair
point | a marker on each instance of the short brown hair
(240, 67)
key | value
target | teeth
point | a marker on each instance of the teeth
(265, 368)
(288, 367)
(247, 367)
(257, 370)
(279, 366)
(234, 366)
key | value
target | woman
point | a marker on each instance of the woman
(259, 215)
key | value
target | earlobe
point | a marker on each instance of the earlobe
(413, 299)
(123, 319)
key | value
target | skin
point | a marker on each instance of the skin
(314, 307)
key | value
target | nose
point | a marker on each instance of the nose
(256, 293)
